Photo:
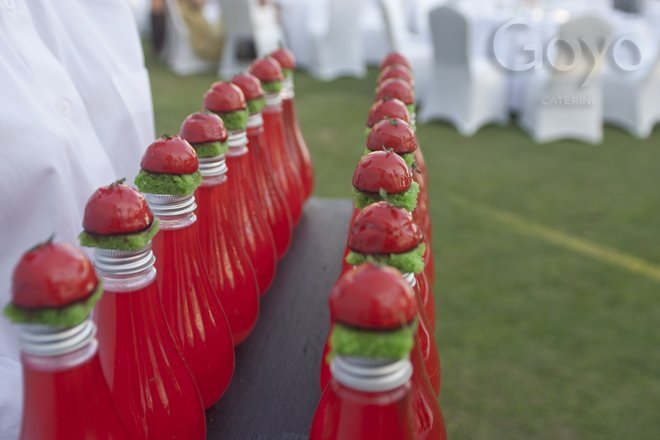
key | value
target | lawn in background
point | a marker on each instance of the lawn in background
(548, 264)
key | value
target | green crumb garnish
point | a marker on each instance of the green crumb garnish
(405, 262)
(288, 73)
(406, 200)
(120, 242)
(387, 345)
(171, 184)
(367, 131)
(408, 158)
(256, 105)
(67, 316)
(411, 109)
(236, 120)
(210, 149)
(272, 87)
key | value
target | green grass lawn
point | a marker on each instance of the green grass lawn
(548, 264)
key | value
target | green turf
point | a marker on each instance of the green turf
(537, 341)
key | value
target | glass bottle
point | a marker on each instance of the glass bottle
(294, 139)
(191, 307)
(230, 271)
(65, 393)
(272, 201)
(150, 382)
(284, 171)
(254, 232)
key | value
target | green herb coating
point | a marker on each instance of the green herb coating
(171, 184)
(210, 149)
(411, 110)
(386, 345)
(120, 242)
(256, 105)
(405, 262)
(272, 87)
(288, 73)
(406, 200)
(68, 316)
(236, 120)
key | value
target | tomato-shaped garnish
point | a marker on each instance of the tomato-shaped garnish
(373, 297)
(392, 134)
(382, 170)
(393, 59)
(52, 275)
(389, 108)
(200, 128)
(267, 69)
(395, 88)
(224, 97)
(116, 209)
(170, 155)
(285, 58)
(380, 228)
(249, 85)
(396, 71)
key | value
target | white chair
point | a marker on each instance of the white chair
(247, 20)
(466, 90)
(567, 104)
(336, 45)
(631, 99)
(177, 50)
(416, 48)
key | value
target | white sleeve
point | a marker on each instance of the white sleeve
(11, 398)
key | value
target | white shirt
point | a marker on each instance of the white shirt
(62, 136)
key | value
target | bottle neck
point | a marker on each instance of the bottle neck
(213, 170)
(255, 120)
(410, 278)
(371, 375)
(273, 101)
(174, 212)
(237, 143)
(47, 341)
(125, 271)
(287, 88)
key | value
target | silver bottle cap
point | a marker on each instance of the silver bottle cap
(43, 340)
(410, 278)
(237, 142)
(287, 88)
(213, 166)
(165, 205)
(125, 271)
(371, 375)
(255, 121)
(273, 100)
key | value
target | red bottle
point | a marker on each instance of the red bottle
(286, 174)
(370, 394)
(65, 393)
(293, 136)
(150, 382)
(230, 271)
(270, 198)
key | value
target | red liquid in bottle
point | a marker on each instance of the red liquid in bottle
(426, 297)
(269, 196)
(254, 232)
(428, 421)
(149, 380)
(297, 146)
(230, 271)
(285, 173)
(66, 398)
(192, 309)
(345, 413)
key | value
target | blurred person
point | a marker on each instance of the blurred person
(75, 114)
(206, 37)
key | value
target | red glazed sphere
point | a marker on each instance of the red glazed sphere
(393, 134)
(381, 228)
(396, 71)
(116, 209)
(267, 69)
(394, 88)
(390, 108)
(382, 170)
(170, 155)
(393, 59)
(285, 57)
(52, 275)
(224, 97)
(200, 128)
(373, 297)
(249, 85)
